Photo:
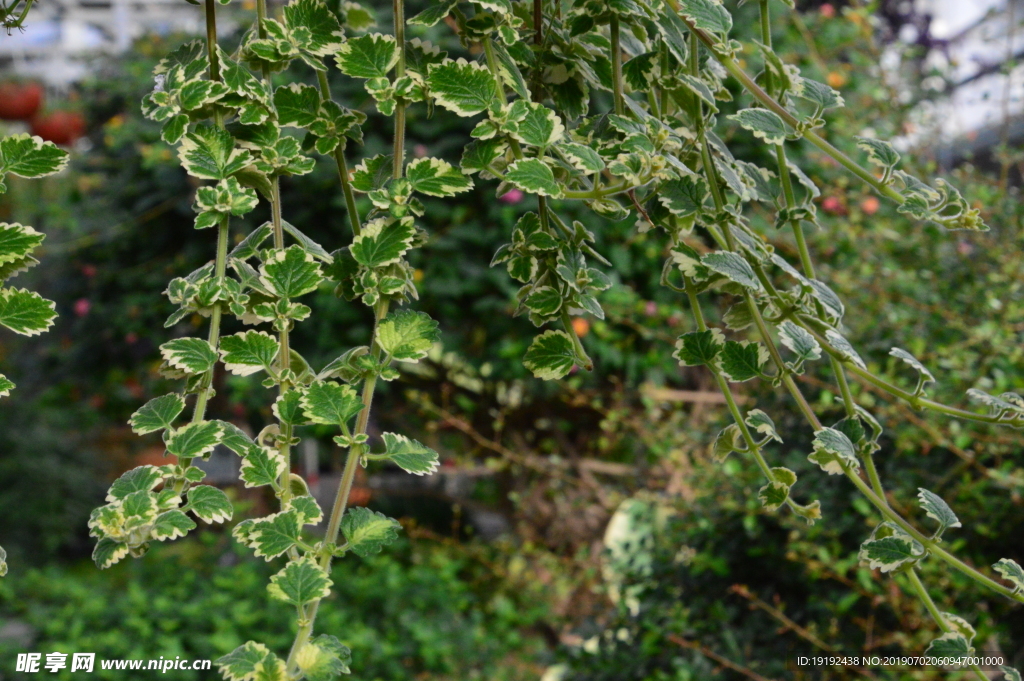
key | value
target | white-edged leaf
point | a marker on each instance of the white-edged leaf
(210, 153)
(138, 479)
(538, 126)
(300, 582)
(27, 156)
(411, 455)
(698, 348)
(926, 376)
(734, 266)
(324, 659)
(952, 644)
(832, 449)
(195, 439)
(937, 509)
(25, 312)
(465, 88)
(157, 414)
(407, 336)
(291, 272)
(17, 241)
(368, 532)
(844, 348)
(551, 355)
(383, 241)
(743, 360)
(330, 403)
(763, 123)
(762, 423)
(191, 355)
(880, 153)
(533, 176)
(171, 525)
(262, 466)
(434, 177)
(1011, 571)
(368, 56)
(248, 352)
(799, 340)
(708, 15)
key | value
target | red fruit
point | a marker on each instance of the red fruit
(20, 101)
(59, 127)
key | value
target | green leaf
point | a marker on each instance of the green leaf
(762, 423)
(831, 450)
(434, 177)
(435, 13)
(582, 157)
(950, 644)
(139, 479)
(368, 56)
(708, 15)
(465, 88)
(937, 509)
(330, 403)
(699, 88)
(685, 196)
(827, 297)
(926, 376)
(551, 355)
(310, 246)
(383, 241)
(479, 154)
(210, 504)
(412, 456)
(368, 532)
(291, 272)
(17, 241)
(763, 123)
(288, 408)
(309, 511)
(25, 312)
(407, 336)
(773, 495)
(247, 662)
(743, 360)
(171, 525)
(537, 126)
(27, 156)
(1011, 571)
(734, 266)
(320, 32)
(373, 173)
(844, 348)
(544, 301)
(6, 386)
(698, 348)
(262, 466)
(323, 659)
(248, 352)
(820, 94)
(301, 581)
(1009, 673)
(191, 355)
(157, 414)
(880, 153)
(889, 548)
(107, 552)
(209, 153)
(533, 176)
(297, 105)
(729, 440)
(273, 535)
(195, 439)
(799, 340)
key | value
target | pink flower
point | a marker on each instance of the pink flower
(513, 196)
(651, 308)
(82, 306)
(827, 11)
(89, 270)
(831, 204)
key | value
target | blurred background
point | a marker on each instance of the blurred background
(576, 530)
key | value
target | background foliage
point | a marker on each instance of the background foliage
(555, 460)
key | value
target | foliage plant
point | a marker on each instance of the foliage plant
(22, 311)
(616, 104)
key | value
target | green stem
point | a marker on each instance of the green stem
(220, 265)
(933, 610)
(339, 158)
(399, 144)
(770, 103)
(616, 66)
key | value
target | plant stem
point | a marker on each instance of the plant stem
(769, 102)
(339, 158)
(369, 384)
(933, 610)
(220, 264)
(616, 66)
